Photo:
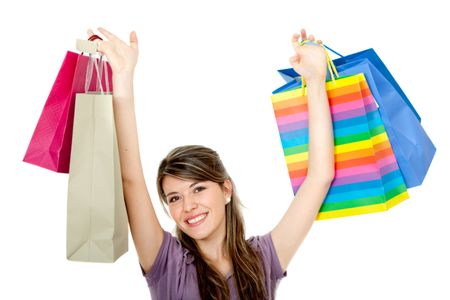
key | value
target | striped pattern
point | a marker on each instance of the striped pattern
(367, 177)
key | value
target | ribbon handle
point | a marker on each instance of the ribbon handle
(101, 67)
(90, 46)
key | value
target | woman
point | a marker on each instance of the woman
(210, 258)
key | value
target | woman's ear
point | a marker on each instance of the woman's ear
(228, 188)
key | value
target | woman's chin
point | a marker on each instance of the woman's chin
(197, 233)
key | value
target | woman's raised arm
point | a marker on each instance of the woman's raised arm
(145, 228)
(310, 62)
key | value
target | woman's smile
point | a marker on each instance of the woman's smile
(196, 220)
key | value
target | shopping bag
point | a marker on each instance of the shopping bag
(50, 143)
(97, 225)
(376, 61)
(367, 177)
(413, 148)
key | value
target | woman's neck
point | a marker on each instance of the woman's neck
(213, 247)
(214, 252)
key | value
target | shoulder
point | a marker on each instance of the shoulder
(261, 242)
(171, 257)
(264, 246)
(173, 275)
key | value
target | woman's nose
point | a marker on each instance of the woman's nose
(189, 203)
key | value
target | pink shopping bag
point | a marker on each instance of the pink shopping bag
(51, 142)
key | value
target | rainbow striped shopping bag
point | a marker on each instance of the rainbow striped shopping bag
(367, 176)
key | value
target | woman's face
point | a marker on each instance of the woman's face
(198, 208)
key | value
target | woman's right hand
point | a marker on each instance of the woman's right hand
(122, 57)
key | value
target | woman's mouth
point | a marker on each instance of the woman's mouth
(196, 220)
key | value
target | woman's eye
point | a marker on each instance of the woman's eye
(173, 199)
(198, 189)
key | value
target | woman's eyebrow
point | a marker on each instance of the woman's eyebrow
(194, 183)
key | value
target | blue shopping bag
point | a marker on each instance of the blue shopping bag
(412, 147)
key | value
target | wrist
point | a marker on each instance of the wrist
(315, 84)
(123, 86)
(123, 76)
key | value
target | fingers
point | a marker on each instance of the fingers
(108, 35)
(310, 37)
(295, 37)
(90, 32)
(295, 42)
(133, 40)
(305, 36)
(303, 33)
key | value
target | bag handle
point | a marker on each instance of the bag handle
(330, 65)
(335, 52)
(100, 66)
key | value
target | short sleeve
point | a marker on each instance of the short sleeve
(173, 274)
(264, 245)
(167, 260)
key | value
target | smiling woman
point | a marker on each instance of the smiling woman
(210, 258)
(193, 202)
(198, 191)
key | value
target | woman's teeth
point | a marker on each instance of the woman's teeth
(196, 219)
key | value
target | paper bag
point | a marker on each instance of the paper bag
(413, 148)
(367, 177)
(51, 141)
(97, 224)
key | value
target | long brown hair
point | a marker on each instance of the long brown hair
(195, 162)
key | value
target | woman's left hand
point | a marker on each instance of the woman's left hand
(309, 60)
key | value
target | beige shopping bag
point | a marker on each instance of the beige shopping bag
(97, 224)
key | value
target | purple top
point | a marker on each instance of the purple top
(174, 276)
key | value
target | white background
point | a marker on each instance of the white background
(205, 75)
